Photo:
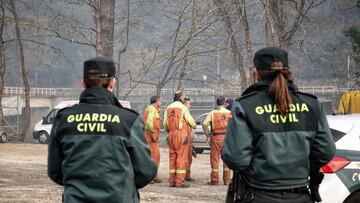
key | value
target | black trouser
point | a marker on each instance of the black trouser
(261, 196)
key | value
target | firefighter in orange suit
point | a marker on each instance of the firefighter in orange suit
(176, 119)
(152, 130)
(215, 125)
(188, 169)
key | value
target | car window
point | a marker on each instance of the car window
(51, 116)
(337, 135)
(201, 119)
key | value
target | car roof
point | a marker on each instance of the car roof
(70, 103)
(64, 104)
(204, 114)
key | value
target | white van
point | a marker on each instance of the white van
(42, 128)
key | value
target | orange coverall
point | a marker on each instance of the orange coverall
(152, 132)
(176, 119)
(188, 169)
(215, 125)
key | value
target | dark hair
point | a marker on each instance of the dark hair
(97, 82)
(220, 100)
(154, 99)
(229, 102)
(177, 96)
(278, 89)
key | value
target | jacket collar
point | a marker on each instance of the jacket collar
(264, 84)
(98, 95)
(157, 108)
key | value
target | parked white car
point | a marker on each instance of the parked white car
(199, 137)
(42, 128)
(342, 175)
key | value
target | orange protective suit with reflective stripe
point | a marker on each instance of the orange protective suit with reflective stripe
(152, 132)
(188, 169)
(215, 125)
(176, 119)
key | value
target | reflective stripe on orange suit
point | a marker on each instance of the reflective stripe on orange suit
(152, 128)
(176, 119)
(216, 122)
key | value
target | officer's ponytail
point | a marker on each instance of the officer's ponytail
(278, 89)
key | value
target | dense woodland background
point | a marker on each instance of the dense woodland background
(176, 43)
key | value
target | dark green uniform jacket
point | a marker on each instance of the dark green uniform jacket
(98, 152)
(274, 151)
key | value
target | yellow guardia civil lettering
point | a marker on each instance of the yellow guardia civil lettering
(272, 109)
(91, 127)
(93, 117)
(92, 122)
(278, 118)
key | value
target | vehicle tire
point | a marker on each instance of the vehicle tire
(353, 198)
(3, 137)
(198, 151)
(43, 137)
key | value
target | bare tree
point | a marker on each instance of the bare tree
(286, 26)
(188, 49)
(236, 49)
(269, 25)
(123, 49)
(99, 35)
(167, 67)
(23, 72)
(241, 8)
(161, 67)
(104, 12)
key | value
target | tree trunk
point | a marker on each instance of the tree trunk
(2, 62)
(123, 49)
(107, 12)
(269, 25)
(269, 31)
(248, 42)
(183, 71)
(237, 55)
(276, 14)
(158, 90)
(241, 9)
(23, 73)
(95, 5)
(281, 26)
(173, 54)
(297, 21)
(184, 68)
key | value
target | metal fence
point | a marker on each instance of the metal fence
(165, 91)
(14, 91)
(142, 95)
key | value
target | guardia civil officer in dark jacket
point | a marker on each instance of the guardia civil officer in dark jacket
(276, 133)
(97, 149)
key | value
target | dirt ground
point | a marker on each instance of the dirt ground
(23, 178)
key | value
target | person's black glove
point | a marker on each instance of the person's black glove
(316, 178)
